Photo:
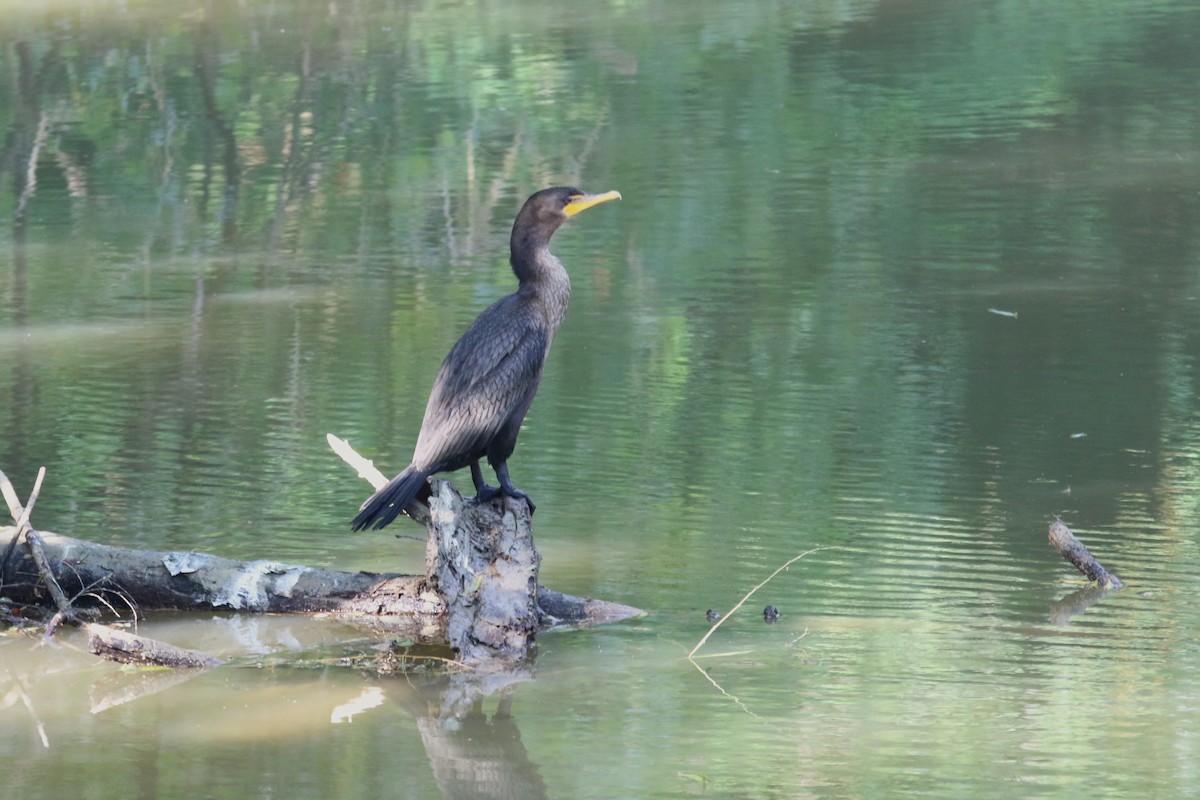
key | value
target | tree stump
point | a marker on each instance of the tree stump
(481, 560)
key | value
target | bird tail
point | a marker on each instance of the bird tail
(386, 504)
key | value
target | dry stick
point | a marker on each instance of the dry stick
(15, 510)
(366, 468)
(721, 689)
(750, 594)
(21, 516)
(23, 520)
(34, 542)
(65, 611)
(740, 603)
(28, 703)
(10, 497)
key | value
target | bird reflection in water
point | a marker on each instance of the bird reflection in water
(472, 755)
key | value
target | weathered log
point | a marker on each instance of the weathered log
(189, 581)
(97, 574)
(482, 561)
(1074, 551)
(479, 594)
(127, 648)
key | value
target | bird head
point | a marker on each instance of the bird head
(550, 208)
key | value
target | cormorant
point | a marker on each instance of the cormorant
(490, 376)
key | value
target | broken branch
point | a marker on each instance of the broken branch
(1074, 551)
(127, 648)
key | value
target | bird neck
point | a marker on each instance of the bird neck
(544, 280)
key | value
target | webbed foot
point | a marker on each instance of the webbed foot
(484, 493)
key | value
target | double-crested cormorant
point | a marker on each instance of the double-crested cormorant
(490, 376)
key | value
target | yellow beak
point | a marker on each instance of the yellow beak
(582, 202)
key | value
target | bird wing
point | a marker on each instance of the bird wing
(490, 373)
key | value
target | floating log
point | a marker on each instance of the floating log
(190, 581)
(127, 648)
(479, 594)
(101, 575)
(1074, 551)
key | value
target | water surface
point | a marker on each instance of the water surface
(249, 224)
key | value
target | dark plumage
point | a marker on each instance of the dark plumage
(489, 378)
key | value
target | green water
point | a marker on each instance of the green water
(248, 224)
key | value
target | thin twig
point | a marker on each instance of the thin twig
(792, 643)
(65, 610)
(750, 594)
(92, 590)
(100, 598)
(692, 655)
(449, 662)
(14, 509)
(33, 543)
(23, 521)
(28, 703)
(10, 497)
(726, 654)
(721, 689)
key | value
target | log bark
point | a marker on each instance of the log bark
(191, 581)
(479, 594)
(465, 596)
(482, 561)
(1074, 551)
(126, 648)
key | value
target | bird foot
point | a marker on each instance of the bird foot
(485, 493)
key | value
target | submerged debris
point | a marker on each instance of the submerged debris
(1074, 551)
